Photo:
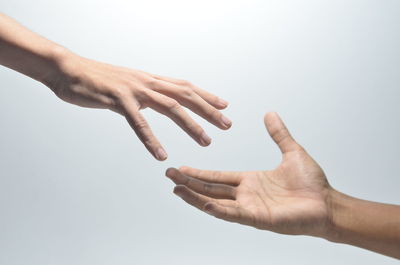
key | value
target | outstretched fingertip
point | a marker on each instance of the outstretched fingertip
(279, 133)
(179, 190)
(227, 123)
(169, 171)
(270, 116)
(221, 104)
(205, 140)
(160, 154)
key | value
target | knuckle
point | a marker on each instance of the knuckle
(151, 82)
(142, 94)
(148, 142)
(172, 104)
(121, 103)
(126, 105)
(121, 93)
(186, 92)
(140, 125)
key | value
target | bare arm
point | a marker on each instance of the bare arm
(294, 198)
(370, 225)
(93, 84)
(27, 52)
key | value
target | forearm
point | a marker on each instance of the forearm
(369, 225)
(27, 52)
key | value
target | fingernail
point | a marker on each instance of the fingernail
(222, 103)
(161, 154)
(167, 171)
(227, 122)
(205, 139)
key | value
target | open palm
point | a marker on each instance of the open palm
(291, 199)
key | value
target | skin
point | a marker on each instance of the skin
(88, 83)
(295, 198)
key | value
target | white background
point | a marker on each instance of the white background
(77, 186)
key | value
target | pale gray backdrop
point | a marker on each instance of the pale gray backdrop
(77, 186)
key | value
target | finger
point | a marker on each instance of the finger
(143, 131)
(197, 200)
(175, 112)
(223, 177)
(279, 133)
(188, 98)
(211, 99)
(229, 213)
(216, 191)
(199, 106)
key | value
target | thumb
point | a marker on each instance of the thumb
(279, 133)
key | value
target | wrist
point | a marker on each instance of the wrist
(59, 57)
(339, 210)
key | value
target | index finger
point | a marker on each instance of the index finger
(223, 177)
(211, 99)
(144, 132)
